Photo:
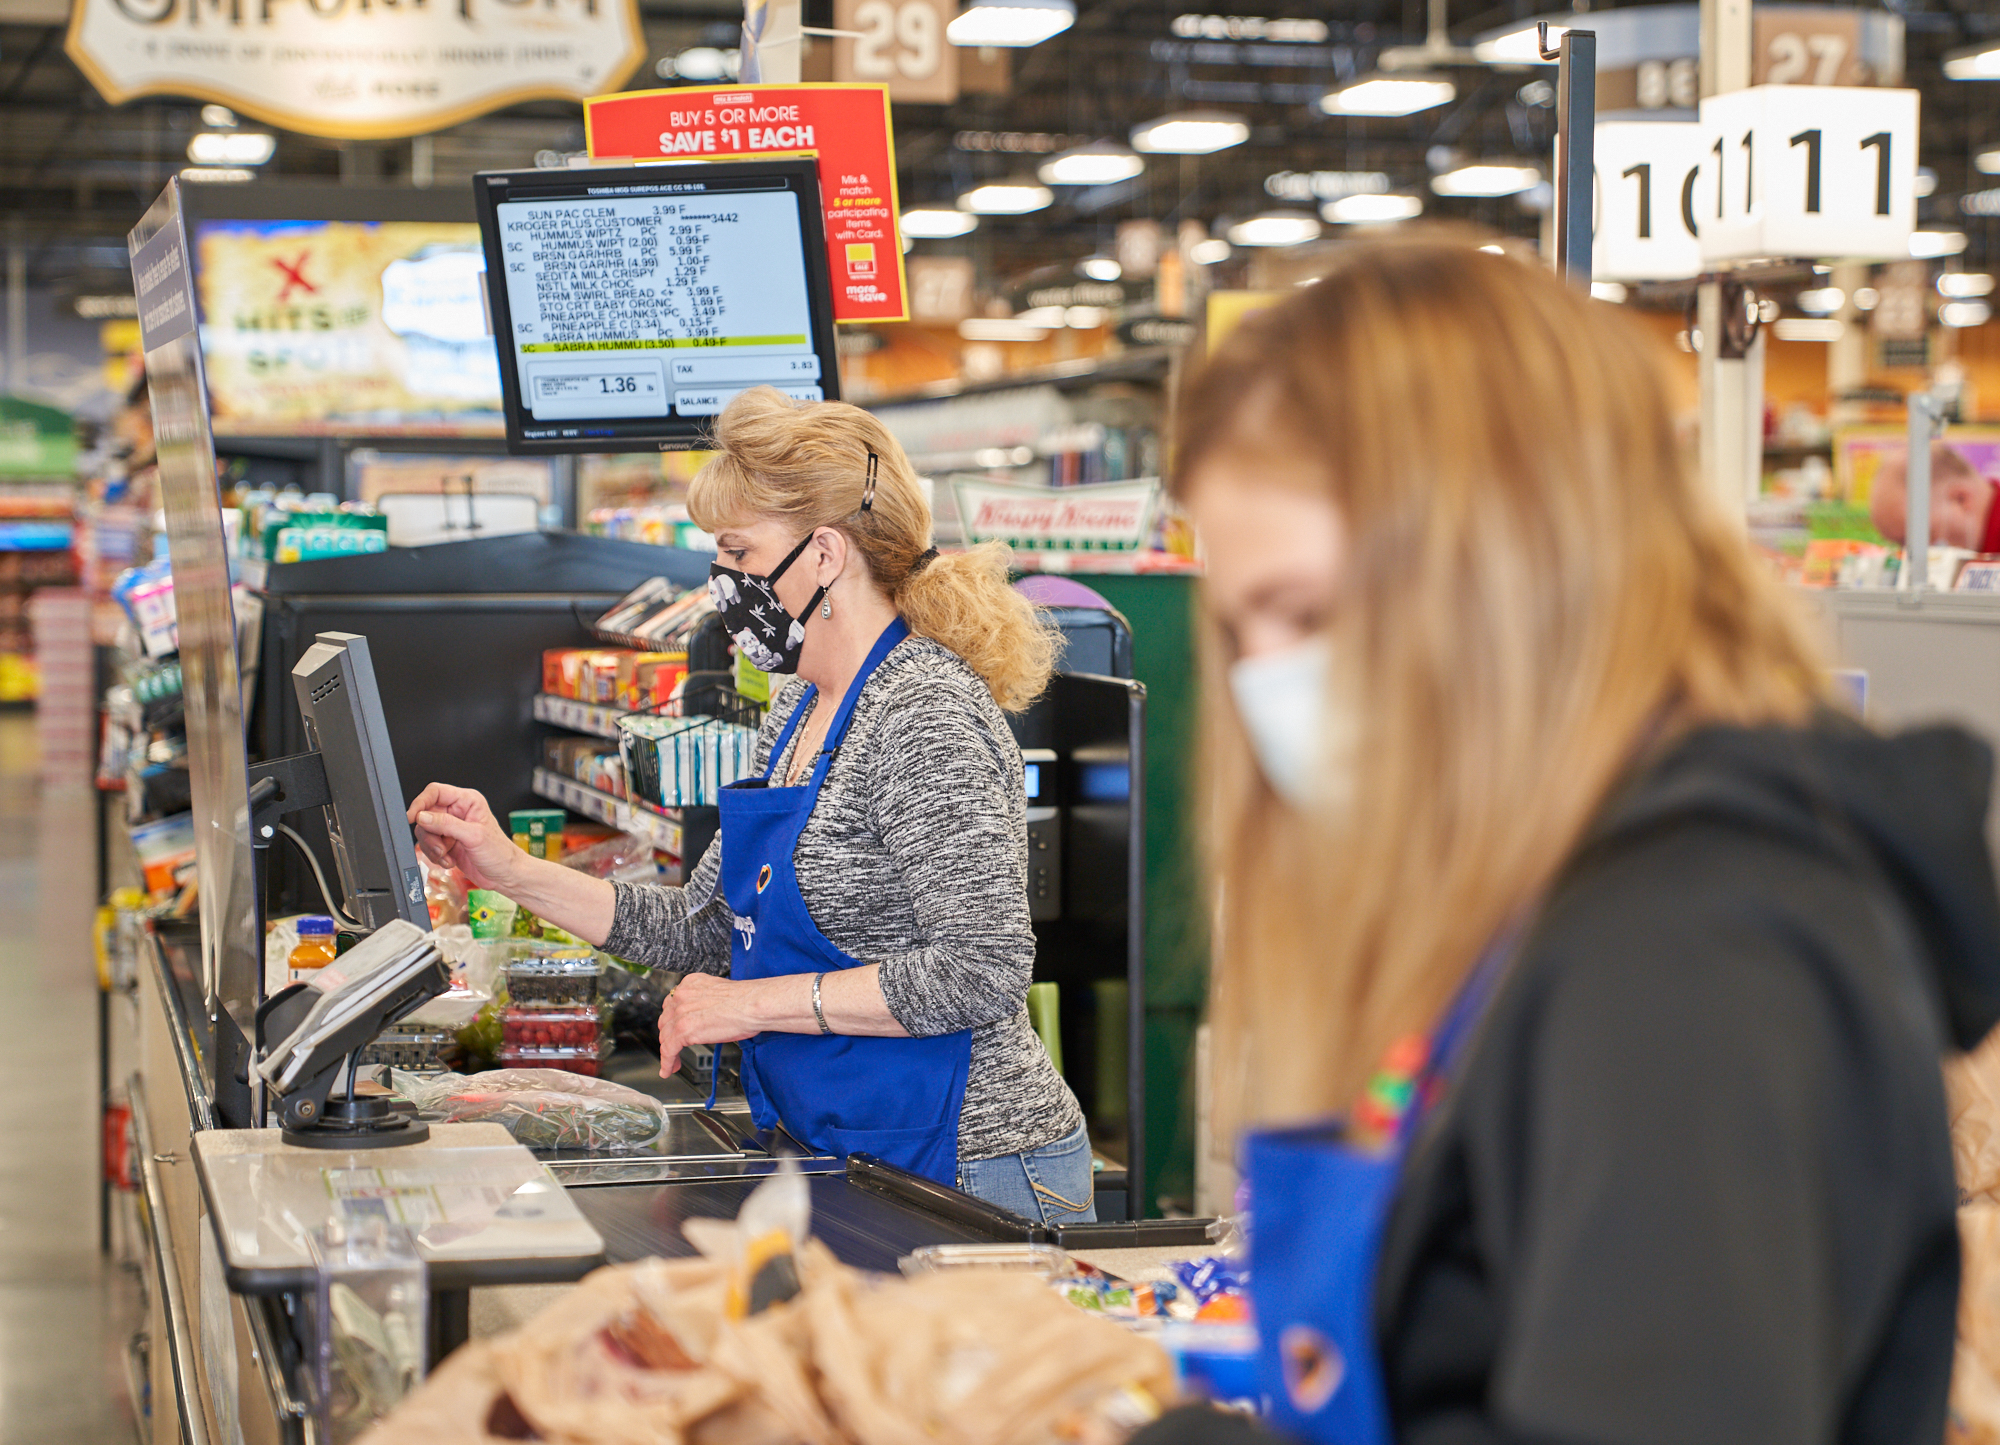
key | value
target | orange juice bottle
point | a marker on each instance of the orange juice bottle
(315, 948)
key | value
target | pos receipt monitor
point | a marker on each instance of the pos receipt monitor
(630, 303)
(365, 817)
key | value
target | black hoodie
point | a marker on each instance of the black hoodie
(1693, 1184)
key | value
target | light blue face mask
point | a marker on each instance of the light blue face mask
(1304, 743)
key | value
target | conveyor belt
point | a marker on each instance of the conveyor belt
(862, 1228)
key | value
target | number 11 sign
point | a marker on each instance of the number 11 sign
(1808, 170)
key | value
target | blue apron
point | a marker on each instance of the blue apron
(1319, 1206)
(897, 1099)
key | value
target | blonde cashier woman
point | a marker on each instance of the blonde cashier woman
(1583, 978)
(860, 925)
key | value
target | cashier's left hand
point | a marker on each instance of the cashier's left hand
(704, 1009)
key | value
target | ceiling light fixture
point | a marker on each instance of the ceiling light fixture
(1249, 27)
(231, 147)
(1100, 268)
(700, 62)
(1372, 210)
(1005, 198)
(217, 175)
(1102, 164)
(1486, 179)
(1612, 291)
(1013, 23)
(1323, 185)
(1926, 245)
(1800, 328)
(1822, 300)
(1980, 63)
(1965, 313)
(1515, 45)
(999, 328)
(1389, 95)
(1191, 133)
(1865, 298)
(1926, 184)
(1211, 252)
(1275, 228)
(221, 117)
(1964, 285)
(936, 224)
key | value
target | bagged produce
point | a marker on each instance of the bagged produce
(541, 1108)
(662, 1352)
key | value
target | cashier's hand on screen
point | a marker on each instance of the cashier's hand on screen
(704, 1009)
(456, 829)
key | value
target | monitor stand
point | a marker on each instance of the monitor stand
(309, 1116)
(365, 1123)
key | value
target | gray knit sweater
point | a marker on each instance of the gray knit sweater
(915, 858)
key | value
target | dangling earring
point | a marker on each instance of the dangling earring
(826, 609)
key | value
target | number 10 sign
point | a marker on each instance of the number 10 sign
(1807, 170)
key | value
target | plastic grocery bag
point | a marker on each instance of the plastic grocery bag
(653, 1352)
(542, 1108)
(1972, 1099)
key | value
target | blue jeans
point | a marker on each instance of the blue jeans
(1054, 1184)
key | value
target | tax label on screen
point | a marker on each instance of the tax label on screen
(1647, 229)
(1816, 171)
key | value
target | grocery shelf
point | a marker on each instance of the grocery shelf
(660, 829)
(1145, 363)
(579, 717)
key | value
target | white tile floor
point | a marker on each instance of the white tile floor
(65, 1311)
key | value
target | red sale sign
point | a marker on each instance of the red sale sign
(844, 127)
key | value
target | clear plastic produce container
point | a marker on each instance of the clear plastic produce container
(576, 1026)
(554, 977)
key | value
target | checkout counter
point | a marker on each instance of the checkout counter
(229, 1323)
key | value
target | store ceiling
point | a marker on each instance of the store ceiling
(75, 173)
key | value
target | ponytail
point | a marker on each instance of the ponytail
(810, 462)
(962, 601)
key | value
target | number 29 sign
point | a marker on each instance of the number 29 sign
(1807, 170)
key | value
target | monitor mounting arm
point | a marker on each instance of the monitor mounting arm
(281, 786)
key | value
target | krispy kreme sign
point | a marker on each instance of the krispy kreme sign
(1107, 516)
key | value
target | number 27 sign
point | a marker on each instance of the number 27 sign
(1807, 170)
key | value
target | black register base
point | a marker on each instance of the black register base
(229, 1356)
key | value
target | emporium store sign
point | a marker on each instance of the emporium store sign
(357, 69)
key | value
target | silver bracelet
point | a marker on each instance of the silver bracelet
(818, 1012)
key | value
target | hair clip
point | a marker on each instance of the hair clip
(868, 490)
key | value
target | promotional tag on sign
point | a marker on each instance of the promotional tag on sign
(844, 127)
(1808, 170)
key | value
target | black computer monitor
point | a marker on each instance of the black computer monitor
(630, 303)
(366, 822)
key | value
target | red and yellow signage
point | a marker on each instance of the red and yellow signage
(844, 127)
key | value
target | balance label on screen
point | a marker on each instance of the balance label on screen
(607, 290)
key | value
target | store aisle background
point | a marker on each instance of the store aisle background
(65, 1310)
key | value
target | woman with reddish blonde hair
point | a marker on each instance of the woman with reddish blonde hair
(1582, 978)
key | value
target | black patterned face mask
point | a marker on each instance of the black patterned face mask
(758, 623)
